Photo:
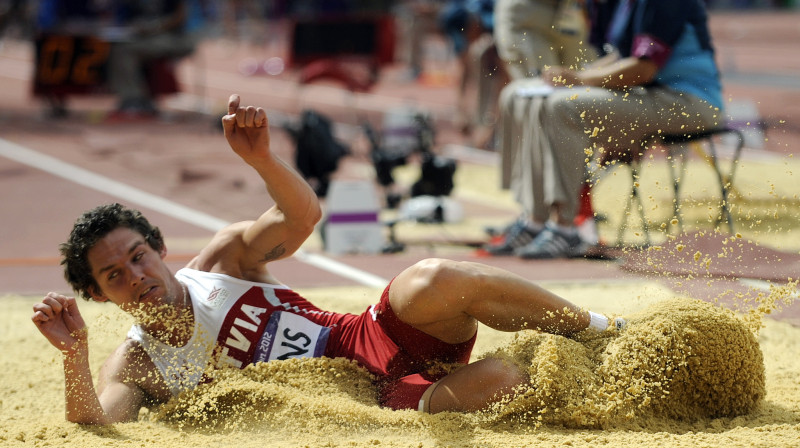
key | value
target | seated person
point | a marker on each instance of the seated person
(155, 30)
(225, 306)
(468, 25)
(659, 77)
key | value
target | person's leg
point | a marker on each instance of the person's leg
(508, 137)
(535, 163)
(416, 23)
(610, 121)
(569, 119)
(582, 123)
(482, 53)
(519, 133)
(574, 51)
(474, 387)
(522, 165)
(446, 299)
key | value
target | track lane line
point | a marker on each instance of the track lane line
(103, 184)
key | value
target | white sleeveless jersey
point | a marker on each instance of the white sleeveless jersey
(237, 322)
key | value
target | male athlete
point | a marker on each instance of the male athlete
(225, 307)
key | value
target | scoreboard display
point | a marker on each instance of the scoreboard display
(71, 64)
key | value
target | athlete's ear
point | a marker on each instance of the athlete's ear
(96, 294)
(163, 251)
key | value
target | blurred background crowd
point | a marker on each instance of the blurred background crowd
(128, 49)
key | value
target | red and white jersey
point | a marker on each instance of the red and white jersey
(246, 322)
(238, 322)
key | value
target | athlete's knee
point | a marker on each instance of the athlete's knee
(477, 386)
(501, 380)
(503, 375)
(436, 273)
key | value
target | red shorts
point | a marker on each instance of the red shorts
(398, 354)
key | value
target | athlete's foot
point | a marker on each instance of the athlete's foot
(601, 322)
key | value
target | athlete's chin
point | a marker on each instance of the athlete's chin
(151, 295)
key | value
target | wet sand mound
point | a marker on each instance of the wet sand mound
(679, 359)
(332, 403)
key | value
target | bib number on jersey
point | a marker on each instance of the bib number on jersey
(288, 335)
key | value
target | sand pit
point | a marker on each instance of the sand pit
(680, 359)
(634, 389)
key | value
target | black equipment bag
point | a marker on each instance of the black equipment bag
(318, 152)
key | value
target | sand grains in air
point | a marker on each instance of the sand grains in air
(678, 359)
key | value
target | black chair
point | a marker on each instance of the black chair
(676, 145)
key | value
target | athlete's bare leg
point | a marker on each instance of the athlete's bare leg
(446, 299)
(474, 386)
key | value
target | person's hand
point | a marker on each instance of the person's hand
(561, 77)
(57, 317)
(247, 131)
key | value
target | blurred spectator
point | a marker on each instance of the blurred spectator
(533, 34)
(659, 77)
(74, 16)
(14, 12)
(416, 20)
(468, 24)
(150, 31)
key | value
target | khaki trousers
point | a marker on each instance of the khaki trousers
(545, 140)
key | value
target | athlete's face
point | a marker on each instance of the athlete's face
(129, 272)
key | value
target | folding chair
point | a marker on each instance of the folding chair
(676, 145)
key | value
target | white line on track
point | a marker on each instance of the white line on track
(765, 285)
(142, 198)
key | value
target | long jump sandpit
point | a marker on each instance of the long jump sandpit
(612, 390)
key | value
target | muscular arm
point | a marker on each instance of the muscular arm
(57, 317)
(242, 249)
(117, 398)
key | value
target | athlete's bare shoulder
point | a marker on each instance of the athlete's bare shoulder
(222, 253)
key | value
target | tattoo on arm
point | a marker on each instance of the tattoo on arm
(274, 254)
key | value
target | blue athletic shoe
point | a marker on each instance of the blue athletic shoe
(517, 235)
(554, 243)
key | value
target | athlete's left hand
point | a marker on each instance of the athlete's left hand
(247, 131)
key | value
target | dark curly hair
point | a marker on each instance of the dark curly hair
(90, 228)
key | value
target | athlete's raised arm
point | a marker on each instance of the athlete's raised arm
(247, 246)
